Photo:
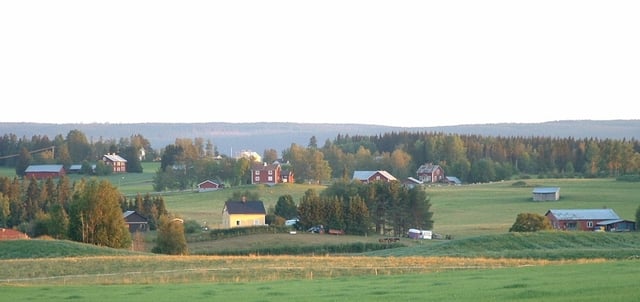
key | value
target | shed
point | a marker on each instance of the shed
(546, 193)
(243, 213)
(135, 221)
(617, 225)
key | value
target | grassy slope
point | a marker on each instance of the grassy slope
(35, 248)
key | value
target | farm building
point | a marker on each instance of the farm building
(588, 220)
(117, 163)
(243, 213)
(262, 173)
(44, 171)
(135, 221)
(546, 194)
(208, 185)
(11, 234)
(371, 176)
(411, 182)
(430, 173)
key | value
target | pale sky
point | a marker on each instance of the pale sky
(395, 63)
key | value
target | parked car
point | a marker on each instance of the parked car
(316, 229)
(291, 222)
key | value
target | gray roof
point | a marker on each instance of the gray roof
(245, 207)
(364, 175)
(584, 214)
(545, 190)
(44, 168)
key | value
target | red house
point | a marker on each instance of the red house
(430, 173)
(117, 163)
(208, 185)
(44, 171)
(266, 174)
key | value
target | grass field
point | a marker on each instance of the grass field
(483, 262)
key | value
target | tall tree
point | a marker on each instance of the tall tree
(96, 216)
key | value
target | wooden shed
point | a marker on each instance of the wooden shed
(546, 193)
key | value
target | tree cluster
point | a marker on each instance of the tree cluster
(87, 211)
(384, 207)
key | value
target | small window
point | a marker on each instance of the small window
(270, 172)
(237, 222)
(257, 178)
(590, 224)
(258, 172)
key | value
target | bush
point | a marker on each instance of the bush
(530, 222)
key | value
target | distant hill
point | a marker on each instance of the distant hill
(230, 138)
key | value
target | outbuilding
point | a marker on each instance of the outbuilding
(546, 194)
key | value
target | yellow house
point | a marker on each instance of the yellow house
(243, 214)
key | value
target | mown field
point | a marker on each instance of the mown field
(483, 261)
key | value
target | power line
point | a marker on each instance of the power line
(53, 149)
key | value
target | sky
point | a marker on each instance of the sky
(394, 63)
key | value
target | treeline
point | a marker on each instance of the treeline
(88, 211)
(74, 148)
(471, 158)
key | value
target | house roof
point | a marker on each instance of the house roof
(115, 158)
(207, 181)
(244, 207)
(545, 190)
(412, 180)
(427, 168)
(364, 175)
(44, 168)
(584, 214)
(453, 179)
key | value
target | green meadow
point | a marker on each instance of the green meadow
(482, 261)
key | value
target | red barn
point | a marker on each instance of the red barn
(44, 171)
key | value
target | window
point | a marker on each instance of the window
(258, 172)
(257, 178)
(589, 224)
(270, 172)
(237, 222)
(270, 178)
